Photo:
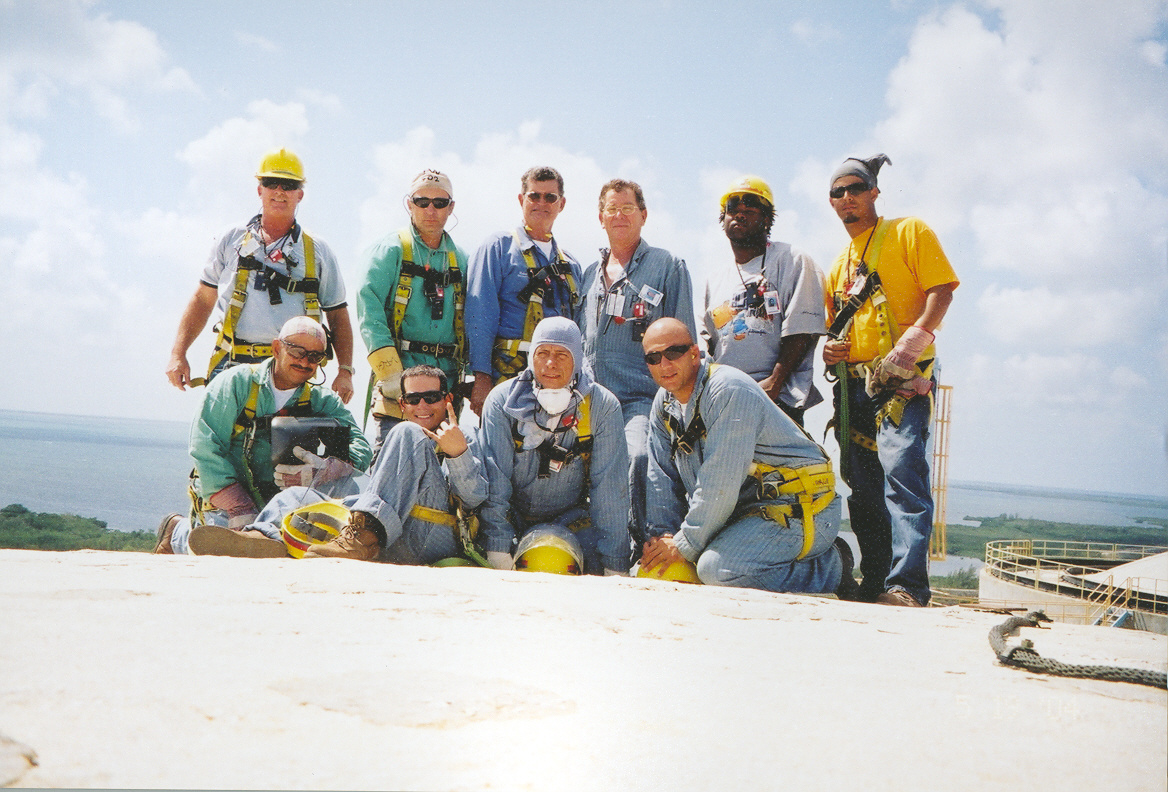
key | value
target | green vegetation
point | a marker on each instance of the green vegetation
(970, 540)
(21, 529)
(961, 579)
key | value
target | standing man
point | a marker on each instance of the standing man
(765, 315)
(406, 512)
(261, 275)
(410, 305)
(735, 487)
(515, 280)
(888, 291)
(231, 440)
(556, 460)
(630, 287)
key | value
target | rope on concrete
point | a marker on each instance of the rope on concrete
(1026, 658)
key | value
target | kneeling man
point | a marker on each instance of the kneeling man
(406, 512)
(735, 487)
(554, 442)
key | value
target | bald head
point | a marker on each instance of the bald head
(667, 331)
(672, 357)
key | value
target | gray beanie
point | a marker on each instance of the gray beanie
(562, 332)
(865, 169)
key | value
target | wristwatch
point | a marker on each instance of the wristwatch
(349, 369)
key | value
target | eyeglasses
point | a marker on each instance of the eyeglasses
(422, 202)
(851, 189)
(627, 210)
(670, 353)
(535, 197)
(301, 353)
(430, 397)
(738, 203)
(287, 185)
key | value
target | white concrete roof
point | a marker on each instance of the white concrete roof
(1151, 573)
(131, 670)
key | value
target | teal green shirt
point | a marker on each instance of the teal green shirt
(219, 457)
(375, 301)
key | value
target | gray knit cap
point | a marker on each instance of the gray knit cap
(866, 169)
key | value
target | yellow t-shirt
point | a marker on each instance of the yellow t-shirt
(911, 262)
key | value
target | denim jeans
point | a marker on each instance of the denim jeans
(891, 505)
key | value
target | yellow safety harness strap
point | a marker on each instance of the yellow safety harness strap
(510, 354)
(436, 516)
(812, 485)
(225, 343)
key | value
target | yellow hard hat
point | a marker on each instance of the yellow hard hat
(281, 164)
(316, 523)
(546, 549)
(749, 185)
(679, 571)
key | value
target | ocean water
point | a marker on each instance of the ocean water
(129, 473)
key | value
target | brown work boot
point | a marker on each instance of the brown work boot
(207, 540)
(898, 597)
(165, 532)
(358, 540)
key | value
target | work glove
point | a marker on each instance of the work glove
(238, 505)
(499, 560)
(899, 365)
(315, 472)
(387, 368)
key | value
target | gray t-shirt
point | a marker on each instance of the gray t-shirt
(749, 309)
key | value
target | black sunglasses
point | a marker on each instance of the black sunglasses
(300, 353)
(536, 197)
(287, 185)
(671, 353)
(430, 397)
(851, 189)
(736, 202)
(422, 202)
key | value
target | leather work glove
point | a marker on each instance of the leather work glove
(899, 365)
(316, 471)
(387, 367)
(234, 500)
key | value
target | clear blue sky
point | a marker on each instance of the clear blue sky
(1031, 134)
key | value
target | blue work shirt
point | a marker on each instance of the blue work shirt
(497, 273)
(660, 283)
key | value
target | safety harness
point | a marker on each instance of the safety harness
(248, 425)
(510, 354)
(226, 345)
(553, 457)
(889, 332)
(434, 285)
(812, 485)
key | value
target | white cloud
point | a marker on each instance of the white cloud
(1076, 319)
(48, 45)
(223, 161)
(250, 40)
(1033, 381)
(810, 32)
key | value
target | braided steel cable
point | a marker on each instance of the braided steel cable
(1026, 658)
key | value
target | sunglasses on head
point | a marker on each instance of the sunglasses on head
(287, 185)
(850, 189)
(422, 202)
(536, 197)
(670, 353)
(430, 397)
(300, 353)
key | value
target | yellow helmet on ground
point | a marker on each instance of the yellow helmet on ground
(281, 164)
(316, 523)
(679, 571)
(749, 185)
(550, 548)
